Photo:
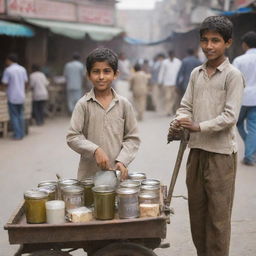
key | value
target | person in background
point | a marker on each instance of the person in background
(15, 79)
(188, 64)
(167, 79)
(122, 84)
(156, 92)
(139, 88)
(103, 127)
(209, 110)
(246, 124)
(38, 83)
(74, 73)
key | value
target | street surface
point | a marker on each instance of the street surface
(43, 153)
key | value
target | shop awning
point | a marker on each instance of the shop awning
(14, 29)
(78, 30)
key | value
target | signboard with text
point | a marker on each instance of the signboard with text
(42, 9)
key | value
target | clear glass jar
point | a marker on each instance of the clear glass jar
(64, 183)
(73, 196)
(49, 183)
(135, 184)
(149, 204)
(51, 190)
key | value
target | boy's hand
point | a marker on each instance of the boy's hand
(102, 159)
(124, 171)
(189, 124)
(175, 131)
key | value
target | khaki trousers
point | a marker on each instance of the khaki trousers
(170, 99)
(210, 182)
(140, 105)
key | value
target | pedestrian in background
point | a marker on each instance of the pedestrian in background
(38, 83)
(74, 73)
(15, 78)
(167, 79)
(122, 84)
(246, 124)
(188, 64)
(139, 88)
(209, 110)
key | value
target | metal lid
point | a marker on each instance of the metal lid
(152, 182)
(103, 189)
(87, 181)
(137, 175)
(35, 194)
(48, 189)
(148, 195)
(48, 183)
(149, 188)
(72, 189)
(130, 184)
(68, 182)
(126, 191)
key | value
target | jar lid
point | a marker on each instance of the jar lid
(35, 194)
(148, 195)
(137, 175)
(48, 183)
(126, 191)
(72, 189)
(55, 204)
(152, 182)
(103, 189)
(130, 184)
(87, 181)
(149, 188)
(67, 182)
(49, 188)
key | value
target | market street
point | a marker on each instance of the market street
(43, 153)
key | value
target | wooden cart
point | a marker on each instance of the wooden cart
(117, 237)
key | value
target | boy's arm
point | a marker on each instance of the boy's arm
(131, 139)
(234, 87)
(75, 137)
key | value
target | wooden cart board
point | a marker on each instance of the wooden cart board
(20, 232)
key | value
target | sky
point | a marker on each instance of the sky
(136, 4)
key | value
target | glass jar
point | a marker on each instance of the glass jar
(151, 190)
(149, 204)
(135, 184)
(87, 184)
(35, 206)
(49, 183)
(64, 183)
(51, 190)
(73, 196)
(137, 176)
(151, 182)
(128, 203)
(104, 202)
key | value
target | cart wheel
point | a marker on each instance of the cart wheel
(50, 253)
(124, 249)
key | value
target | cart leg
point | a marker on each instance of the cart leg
(124, 249)
(20, 250)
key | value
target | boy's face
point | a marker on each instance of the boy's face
(102, 76)
(213, 45)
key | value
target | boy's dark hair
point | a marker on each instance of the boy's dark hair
(12, 57)
(100, 55)
(137, 67)
(190, 51)
(35, 67)
(219, 24)
(250, 39)
(76, 56)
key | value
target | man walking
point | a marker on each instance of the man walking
(246, 124)
(15, 78)
(74, 73)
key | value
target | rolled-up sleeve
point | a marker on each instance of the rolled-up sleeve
(75, 137)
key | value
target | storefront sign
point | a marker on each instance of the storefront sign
(42, 9)
(2, 6)
(96, 14)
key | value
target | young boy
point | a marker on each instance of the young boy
(209, 110)
(103, 126)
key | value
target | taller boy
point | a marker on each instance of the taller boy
(211, 107)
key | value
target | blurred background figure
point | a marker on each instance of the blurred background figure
(156, 93)
(246, 124)
(15, 78)
(74, 73)
(38, 83)
(167, 80)
(122, 84)
(139, 88)
(187, 65)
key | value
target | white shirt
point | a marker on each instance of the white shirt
(169, 71)
(246, 63)
(15, 76)
(74, 73)
(39, 83)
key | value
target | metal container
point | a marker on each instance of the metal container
(128, 203)
(64, 183)
(135, 184)
(51, 190)
(73, 196)
(104, 202)
(35, 206)
(137, 176)
(87, 184)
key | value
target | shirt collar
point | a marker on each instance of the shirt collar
(91, 95)
(251, 50)
(220, 68)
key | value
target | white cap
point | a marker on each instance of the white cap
(55, 204)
